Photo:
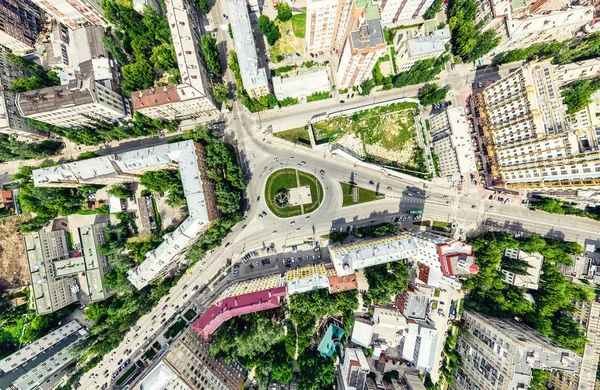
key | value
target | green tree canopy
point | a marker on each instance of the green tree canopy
(386, 281)
(432, 94)
(268, 28)
(210, 50)
(137, 76)
(284, 11)
(122, 191)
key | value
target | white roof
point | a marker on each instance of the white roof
(362, 333)
(75, 172)
(420, 346)
(553, 20)
(578, 70)
(392, 318)
(433, 43)
(302, 85)
(245, 46)
(162, 378)
(461, 140)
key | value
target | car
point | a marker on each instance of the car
(446, 196)
(119, 362)
(292, 223)
(265, 168)
(185, 286)
(303, 163)
(274, 232)
(264, 213)
(297, 229)
(532, 209)
(153, 318)
(371, 182)
(308, 217)
(389, 188)
(473, 206)
(195, 288)
(291, 157)
(342, 101)
(322, 172)
(226, 245)
(165, 307)
(257, 198)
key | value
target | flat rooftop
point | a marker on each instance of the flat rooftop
(75, 93)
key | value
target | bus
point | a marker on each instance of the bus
(412, 212)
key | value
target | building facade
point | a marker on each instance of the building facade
(75, 13)
(364, 45)
(254, 77)
(397, 12)
(326, 23)
(21, 21)
(527, 138)
(301, 86)
(410, 50)
(193, 97)
(74, 104)
(499, 354)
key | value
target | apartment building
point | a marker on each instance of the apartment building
(326, 24)
(397, 12)
(61, 276)
(530, 279)
(74, 13)
(193, 97)
(74, 104)
(353, 370)
(187, 156)
(500, 353)
(21, 21)
(11, 121)
(43, 363)
(254, 77)
(452, 143)
(528, 139)
(364, 45)
(305, 279)
(411, 49)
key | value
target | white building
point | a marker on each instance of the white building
(531, 278)
(301, 86)
(398, 12)
(305, 279)
(162, 377)
(73, 104)
(554, 26)
(577, 70)
(354, 369)
(254, 77)
(193, 97)
(326, 23)
(41, 364)
(410, 50)
(74, 13)
(420, 345)
(452, 143)
(364, 46)
(188, 156)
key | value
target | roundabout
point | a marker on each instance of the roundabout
(290, 192)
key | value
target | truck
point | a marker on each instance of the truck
(413, 212)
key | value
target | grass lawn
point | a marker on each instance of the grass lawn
(364, 195)
(9, 336)
(441, 226)
(299, 24)
(297, 135)
(288, 43)
(189, 315)
(285, 179)
(175, 328)
(126, 375)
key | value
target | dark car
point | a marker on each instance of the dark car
(342, 101)
(371, 182)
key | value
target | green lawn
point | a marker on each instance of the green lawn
(297, 135)
(299, 24)
(364, 195)
(175, 328)
(285, 179)
(441, 226)
(126, 375)
(189, 315)
(9, 336)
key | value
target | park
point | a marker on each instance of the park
(291, 192)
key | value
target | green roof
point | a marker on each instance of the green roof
(332, 337)
(518, 4)
(372, 12)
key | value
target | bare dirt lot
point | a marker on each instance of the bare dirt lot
(14, 271)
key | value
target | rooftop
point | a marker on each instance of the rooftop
(332, 338)
(155, 97)
(552, 20)
(362, 333)
(302, 85)
(245, 46)
(433, 43)
(77, 92)
(368, 36)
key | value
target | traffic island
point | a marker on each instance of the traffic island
(290, 192)
(352, 195)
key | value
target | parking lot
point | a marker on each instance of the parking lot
(254, 267)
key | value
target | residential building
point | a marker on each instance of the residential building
(553, 26)
(397, 12)
(438, 258)
(362, 332)
(579, 70)
(353, 371)
(61, 276)
(331, 341)
(452, 143)
(73, 105)
(529, 142)
(420, 345)
(413, 382)
(75, 13)
(528, 278)
(254, 77)
(390, 328)
(41, 364)
(413, 304)
(326, 24)
(11, 121)
(162, 377)
(364, 45)
(301, 86)
(187, 156)
(193, 97)
(305, 279)
(21, 21)
(411, 49)
(235, 306)
(500, 354)
(342, 283)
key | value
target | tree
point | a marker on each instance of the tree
(36, 76)
(284, 11)
(11, 149)
(268, 28)
(86, 156)
(160, 181)
(433, 9)
(163, 57)
(220, 92)
(389, 375)
(432, 94)
(137, 76)
(386, 281)
(203, 4)
(210, 50)
(468, 41)
(578, 95)
(121, 191)
(316, 372)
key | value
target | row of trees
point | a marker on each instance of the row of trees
(141, 44)
(11, 149)
(99, 131)
(433, 10)
(35, 76)
(553, 300)
(210, 50)
(554, 206)
(565, 52)
(578, 95)
(165, 181)
(469, 42)
(432, 94)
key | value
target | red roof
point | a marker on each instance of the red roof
(342, 283)
(237, 306)
(451, 253)
(154, 97)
